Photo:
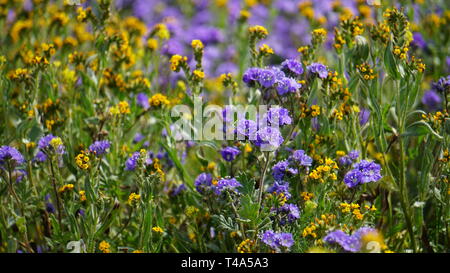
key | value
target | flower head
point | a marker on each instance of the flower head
(282, 168)
(287, 85)
(251, 75)
(280, 188)
(442, 85)
(302, 158)
(292, 66)
(8, 153)
(230, 153)
(100, 147)
(288, 213)
(266, 78)
(279, 116)
(226, 184)
(432, 100)
(142, 100)
(268, 137)
(318, 69)
(350, 243)
(363, 172)
(277, 241)
(203, 182)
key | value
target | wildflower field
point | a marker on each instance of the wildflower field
(236, 126)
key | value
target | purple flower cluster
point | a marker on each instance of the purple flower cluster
(267, 78)
(279, 116)
(301, 158)
(226, 184)
(288, 213)
(318, 69)
(44, 142)
(275, 77)
(138, 137)
(100, 147)
(364, 116)
(363, 172)
(280, 187)
(281, 169)
(418, 41)
(142, 100)
(347, 160)
(268, 137)
(230, 153)
(292, 67)
(12, 155)
(287, 85)
(350, 243)
(44, 146)
(432, 100)
(132, 162)
(276, 241)
(203, 182)
(442, 85)
(247, 128)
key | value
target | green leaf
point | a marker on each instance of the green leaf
(420, 128)
(35, 132)
(249, 209)
(180, 167)
(247, 182)
(390, 63)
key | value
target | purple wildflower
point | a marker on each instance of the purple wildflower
(138, 137)
(278, 115)
(177, 190)
(49, 207)
(247, 128)
(288, 213)
(282, 168)
(266, 78)
(142, 100)
(268, 136)
(292, 66)
(302, 158)
(350, 243)
(432, 100)
(442, 85)
(40, 156)
(44, 144)
(230, 153)
(131, 163)
(251, 76)
(287, 85)
(419, 41)
(280, 187)
(203, 181)
(277, 240)
(318, 69)
(364, 116)
(100, 147)
(363, 172)
(348, 159)
(226, 184)
(10, 154)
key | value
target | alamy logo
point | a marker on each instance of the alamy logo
(72, 2)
